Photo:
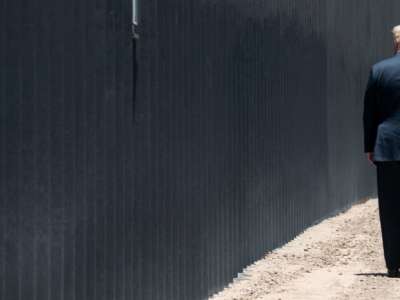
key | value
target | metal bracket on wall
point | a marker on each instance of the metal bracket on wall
(135, 19)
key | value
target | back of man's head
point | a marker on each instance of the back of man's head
(396, 34)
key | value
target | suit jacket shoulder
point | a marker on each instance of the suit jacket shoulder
(384, 65)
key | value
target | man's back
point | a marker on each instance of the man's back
(382, 110)
(382, 144)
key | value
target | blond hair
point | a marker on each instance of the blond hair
(396, 29)
(396, 33)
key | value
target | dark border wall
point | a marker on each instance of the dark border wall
(243, 129)
(66, 197)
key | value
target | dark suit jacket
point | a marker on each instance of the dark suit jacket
(381, 115)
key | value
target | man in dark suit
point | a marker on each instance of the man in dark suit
(381, 121)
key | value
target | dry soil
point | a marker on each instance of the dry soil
(339, 258)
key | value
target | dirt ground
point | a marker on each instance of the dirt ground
(340, 258)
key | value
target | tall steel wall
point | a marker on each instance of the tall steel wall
(243, 128)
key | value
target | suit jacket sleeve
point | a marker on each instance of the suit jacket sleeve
(370, 118)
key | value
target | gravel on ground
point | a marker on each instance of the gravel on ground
(339, 258)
